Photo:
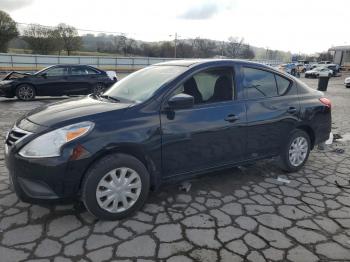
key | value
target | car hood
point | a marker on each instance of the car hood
(16, 75)
(79, 109)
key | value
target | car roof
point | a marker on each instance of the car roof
(70, 65)
(196, 62)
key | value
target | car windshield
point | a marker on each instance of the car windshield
(42, 70)
(142, 84)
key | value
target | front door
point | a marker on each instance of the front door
(210, 134)
(52, 82)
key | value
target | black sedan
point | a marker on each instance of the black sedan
(55, 80)
(167, 122)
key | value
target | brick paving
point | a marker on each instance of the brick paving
(241, 214)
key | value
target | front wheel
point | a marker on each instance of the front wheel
(25, 92)
(296, 151)
(115, 187)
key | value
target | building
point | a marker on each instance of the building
(341, 55)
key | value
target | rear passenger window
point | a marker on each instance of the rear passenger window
(282, 84)
(91, 71)
(258, 83)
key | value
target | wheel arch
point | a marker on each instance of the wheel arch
(27, 83)
(310, 132)
(132, 150)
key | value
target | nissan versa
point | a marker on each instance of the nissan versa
(166, 122)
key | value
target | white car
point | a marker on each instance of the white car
(318, 71)
(112, 75)
(347, 82)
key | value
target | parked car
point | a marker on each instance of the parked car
(290, 68)
(112, 75)
(161, 124)
(334, 68)
(316, 72)
(56, 80)
(324, 62)
(303, 66)
(347, 82)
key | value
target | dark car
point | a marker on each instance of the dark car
(56, 80)
(334, 68)
(164, 123)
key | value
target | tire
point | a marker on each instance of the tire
(99, 88)
(99, 181)
(286, 160)
(25, 92)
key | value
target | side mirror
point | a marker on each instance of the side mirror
(181, 101)
(44, 75)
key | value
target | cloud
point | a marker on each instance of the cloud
(199, 12)
(12, 5)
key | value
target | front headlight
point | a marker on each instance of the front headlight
(50, 144)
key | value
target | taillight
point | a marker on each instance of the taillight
(326, 102)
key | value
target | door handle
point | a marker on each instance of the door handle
(292, 110)
(231, 118)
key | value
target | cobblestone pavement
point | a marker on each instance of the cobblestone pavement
(242, 214)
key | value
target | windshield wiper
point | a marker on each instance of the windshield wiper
(110, 98)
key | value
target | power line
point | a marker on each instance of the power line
(79, 29)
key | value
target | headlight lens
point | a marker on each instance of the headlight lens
(50, 144)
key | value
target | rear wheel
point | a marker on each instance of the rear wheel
(25, 92)
(296, 152)
(115, 186)
(98, 89)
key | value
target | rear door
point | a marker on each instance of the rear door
(272, 110)
(79, 81)
(210, 134)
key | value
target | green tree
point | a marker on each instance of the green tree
(8, 30)
(70, 38)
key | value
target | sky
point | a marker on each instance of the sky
(299, 26)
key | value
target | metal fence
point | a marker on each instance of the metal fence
(26, 62)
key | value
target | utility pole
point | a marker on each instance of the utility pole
(222, 49)
(175, 43)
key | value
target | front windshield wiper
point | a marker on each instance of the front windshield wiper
(109, 98)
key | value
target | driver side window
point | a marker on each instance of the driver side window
(209, 86)
(57, 71)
